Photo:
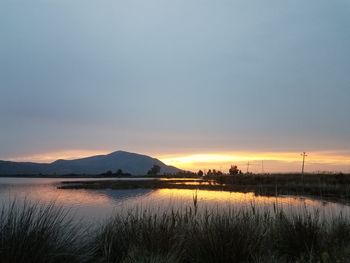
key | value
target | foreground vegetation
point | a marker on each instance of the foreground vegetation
(45, 233)
(324, 186)
(39, 233)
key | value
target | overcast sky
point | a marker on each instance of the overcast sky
(174, 76)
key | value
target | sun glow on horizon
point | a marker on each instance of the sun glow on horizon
(277, 161)
(53, 156)
(258, 161)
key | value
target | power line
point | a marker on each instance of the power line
(248, 164)
(303, 166)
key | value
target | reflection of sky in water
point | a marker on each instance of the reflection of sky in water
(99, 204)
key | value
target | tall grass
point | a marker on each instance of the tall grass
(39, 233)
(140, 236)
(36, 233)
(231, 236)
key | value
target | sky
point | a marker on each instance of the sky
(196, 83)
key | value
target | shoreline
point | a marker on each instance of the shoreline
(325, 187)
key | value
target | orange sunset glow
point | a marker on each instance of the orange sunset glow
(224, 160)
(57, 155)
(268, 161)
(174, 131)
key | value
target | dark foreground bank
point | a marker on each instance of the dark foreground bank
(46, 233)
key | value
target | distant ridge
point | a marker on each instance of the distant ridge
(133, 163)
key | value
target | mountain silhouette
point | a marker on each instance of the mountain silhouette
(133, 163)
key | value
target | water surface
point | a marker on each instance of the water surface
(95, 205)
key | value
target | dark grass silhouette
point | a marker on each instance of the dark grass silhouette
(45, 233)
(39, 233)
(231, 236)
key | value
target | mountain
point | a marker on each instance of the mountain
(135, 164)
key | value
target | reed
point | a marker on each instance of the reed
(46, 233)
(233, 235)
(39, 233)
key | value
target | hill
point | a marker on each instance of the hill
(133, 163)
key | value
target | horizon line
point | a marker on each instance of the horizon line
(275, 160)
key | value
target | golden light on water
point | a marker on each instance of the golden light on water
(236, 199)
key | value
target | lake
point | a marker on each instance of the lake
(96, 205)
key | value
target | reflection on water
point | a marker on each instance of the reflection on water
(99, 204)
(198, 183)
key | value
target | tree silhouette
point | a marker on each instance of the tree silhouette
(108, 173)
(154, 170)
(119, 172)
(234, 170)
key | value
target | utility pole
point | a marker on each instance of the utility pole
(303, 166)
(248, 164)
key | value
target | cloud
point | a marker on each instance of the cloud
(174, 76)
